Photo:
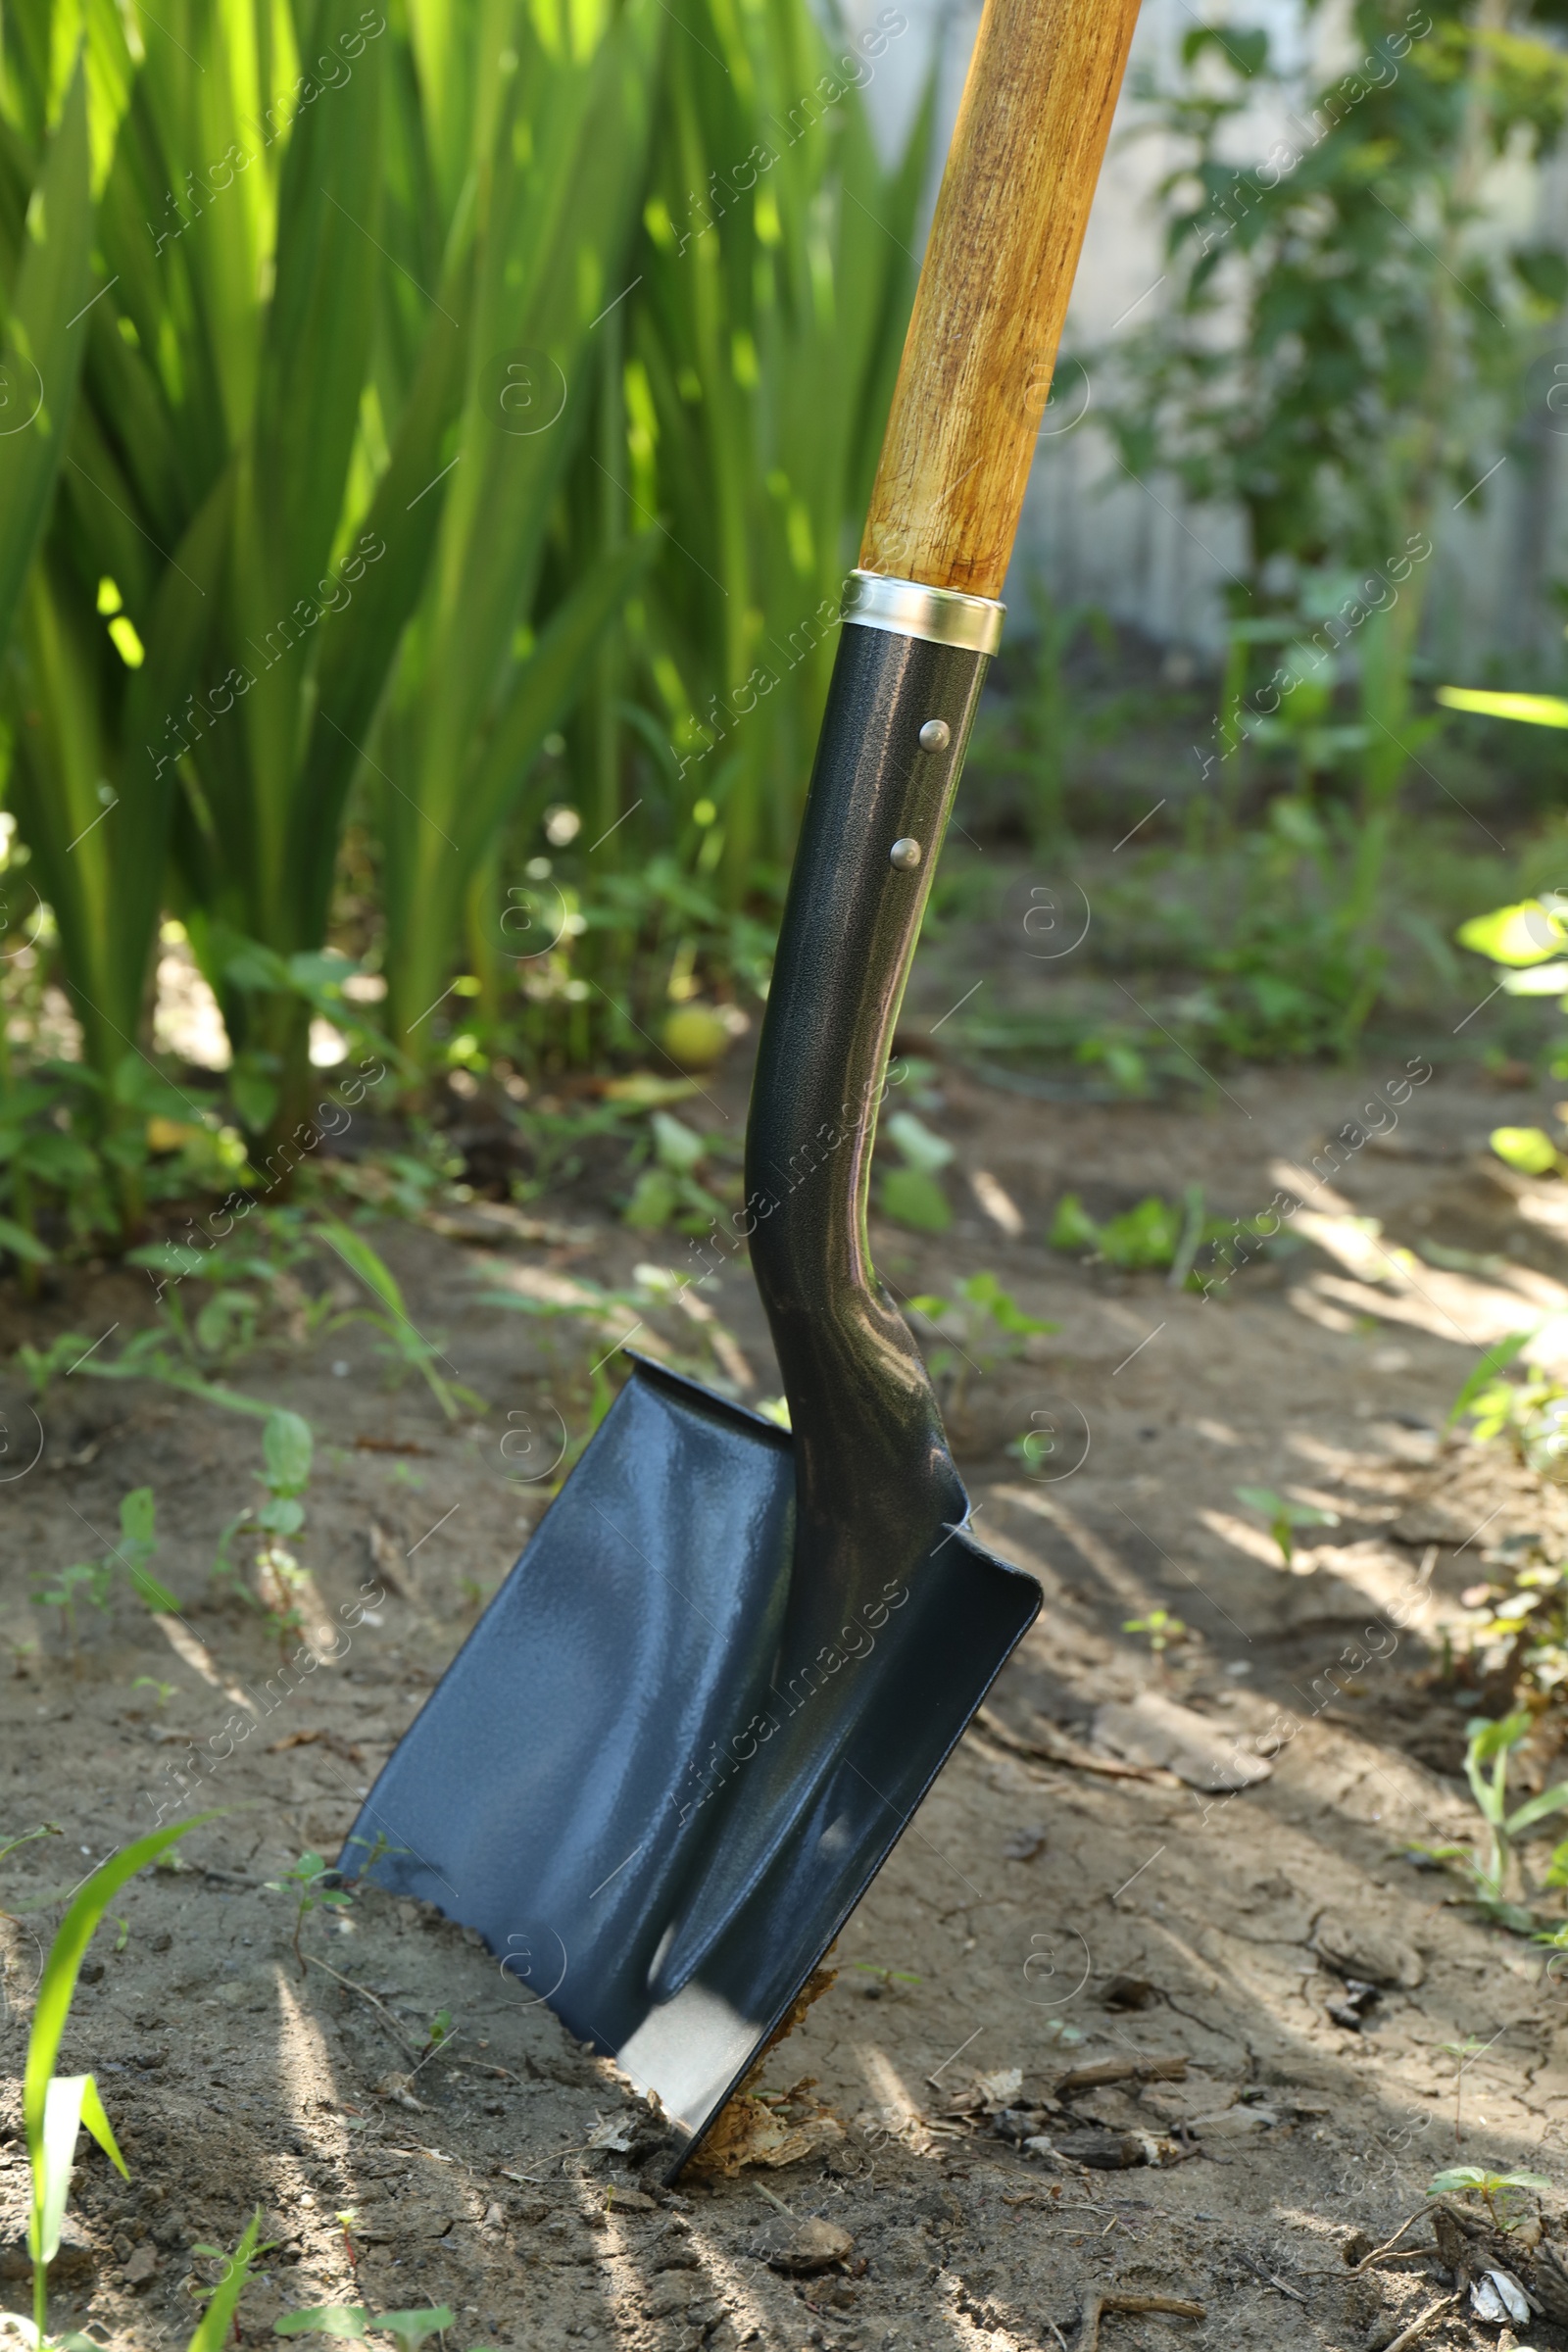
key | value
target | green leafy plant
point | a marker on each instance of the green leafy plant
(404, 1345)
(914, 1195)
(55, 2107)
(40, 1367)
(1492, 1872)
(983, 1326)
(94, 1579)
(761, 348)
(1333, 366)
(1155, 1234)
(351, 2323)
(670, 1191)
(1286, 1517)
(287, 1450)
(1527, 945)
(308, 1882)
(161, 1692)
(1497, 2192)
(222, 2304)
(45, 1828)
(1160, 1628)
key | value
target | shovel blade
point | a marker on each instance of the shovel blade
(609, 1723)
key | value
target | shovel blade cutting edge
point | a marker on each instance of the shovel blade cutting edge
(617, 1720)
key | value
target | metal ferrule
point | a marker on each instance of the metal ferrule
(939, 616)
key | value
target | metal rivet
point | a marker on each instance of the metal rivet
(935, 735)
(906, 853)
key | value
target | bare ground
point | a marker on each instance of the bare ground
(1057, 1905)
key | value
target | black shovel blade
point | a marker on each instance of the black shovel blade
(620, 1715)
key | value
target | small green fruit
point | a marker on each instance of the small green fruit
(694, 1036)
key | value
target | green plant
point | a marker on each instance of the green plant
(348, 2322)
(1285, 1516)
(1160, 1628)
(1526, 943)
(161, 1692)
(54, 2107)
(761, 348)
(287, 1448)
(1348, 323)
(1497, 2190)
(1156, 1233)
(671, 1192)
(1493, 1872)
(1043, 728)
(914, 1195)
(404, 1345)
(307, 1881)
(94, 1579)
(982, 1327)
(887, 1978)
(222, 2303)
(40, 1367)
(411, 238)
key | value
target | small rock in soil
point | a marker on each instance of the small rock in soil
(1106, 2151)
(74, 2259)
(1024, 1845)
(802, 2247)
(1352, 2011)
(1154, 1731)
(142, 2266)
(1231, 2122)
(1365, 1949)
(1129, 1992)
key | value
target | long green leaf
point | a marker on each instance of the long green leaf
(51, 2109)
(43, 342)
(212, 2332)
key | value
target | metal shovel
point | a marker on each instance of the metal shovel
(688, 1729)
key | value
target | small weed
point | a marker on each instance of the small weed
(887, 1978)
(1285, 1517)
(403, 1343)
(912, 1194)
(1157, 1234)
(308, 1881)
(1497, 2192)
(40, 1367)
(45, 1828)
(161, 1692)
(1493, 1872)
(670, 1191)
(222, 2300)
(1530, 1416)
(287, 1453)
(1160, 1628)
(350, 2323)
(93, 1580)
(55, 2107)
(982, 1327)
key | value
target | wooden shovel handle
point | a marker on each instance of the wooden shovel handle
(982, 343)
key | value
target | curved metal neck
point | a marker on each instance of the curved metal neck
(871, 1452)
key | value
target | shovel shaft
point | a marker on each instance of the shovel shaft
(870, 1455)
(1004, 243)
